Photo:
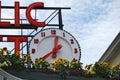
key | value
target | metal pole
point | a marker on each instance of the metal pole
(60, 19)
(21, 35)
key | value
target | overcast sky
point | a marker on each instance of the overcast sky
(94, 23)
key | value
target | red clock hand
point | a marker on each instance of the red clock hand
(53, 51)
(47, 55)
(58, 47)
(55, 41)
(55, 44)
(56, 50)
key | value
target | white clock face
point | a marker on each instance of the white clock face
(51, 44)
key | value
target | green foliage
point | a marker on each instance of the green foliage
(89, 70)
(16, 62)
(11, 62)
(75, 64)
(116, 69)
(40, 63)
(102, 69)
(62, 66)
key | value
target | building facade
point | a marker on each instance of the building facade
(112, 54)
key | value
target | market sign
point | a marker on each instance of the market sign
(33, 23)
(28, 15)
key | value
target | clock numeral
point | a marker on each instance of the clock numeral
(36, 41)
(33, 51)
(42, 34)
(75, 50)
(71, 41)
(63, 34)
(53, 31)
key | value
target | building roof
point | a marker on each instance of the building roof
(112, 51)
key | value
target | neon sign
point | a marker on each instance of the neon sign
(17, 39)
(28, 15)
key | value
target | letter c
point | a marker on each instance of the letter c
(28, 15)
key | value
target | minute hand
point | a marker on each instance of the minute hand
(55, 44)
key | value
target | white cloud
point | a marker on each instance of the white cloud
(94, 29)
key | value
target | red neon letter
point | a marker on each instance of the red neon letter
(1, 38)
(17, 40)
(17, 14)
(30, 19)
(3, 23)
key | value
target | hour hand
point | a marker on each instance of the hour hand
(55, 50)
(54, 55)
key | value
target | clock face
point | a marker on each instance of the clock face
(52, 43)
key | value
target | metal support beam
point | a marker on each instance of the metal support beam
(60, 19)
(25, 26)
(45, 8)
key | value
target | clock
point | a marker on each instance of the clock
(53, 43)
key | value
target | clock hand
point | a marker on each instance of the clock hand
(47, 55)
(58, 47)
(55, 44)
(55, 41)
(56, 50)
